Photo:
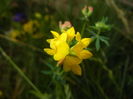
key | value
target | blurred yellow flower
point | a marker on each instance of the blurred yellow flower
(30, 26)
(14, 34)
(38, 15)
(69, 56)
(1, 93)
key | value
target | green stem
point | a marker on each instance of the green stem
(83, 28)
(19, 70)
(99, 31)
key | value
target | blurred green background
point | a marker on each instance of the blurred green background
(107, 75)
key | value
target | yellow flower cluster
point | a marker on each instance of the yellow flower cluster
(69, 56)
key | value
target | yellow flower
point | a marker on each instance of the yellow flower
(79, 48)
(70, 57)
(28, 27)
(77, 54)
(58, 46)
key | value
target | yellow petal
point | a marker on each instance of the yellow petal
(76, 69)
(86, 41)
(62, 49)
(49, 51)
(63, 37)
(55, 42)
(78, 47)
(69, 61)
(49, 40)
(70, 33)
(66, 65)
(55, 34)
(78, 36)
(84, 54)
(73, 60)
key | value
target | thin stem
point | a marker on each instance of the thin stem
(83, 28)
(101, 90)
(124, 76)
(120, 13)
(19, 70)
(20, 43)
(99, 31)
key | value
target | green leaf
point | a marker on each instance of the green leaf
(104, 37)
(41, 96)
(104, 40)
(49, 65)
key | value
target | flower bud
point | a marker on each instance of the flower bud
(87, 11)
(102, 25)
(64, 26)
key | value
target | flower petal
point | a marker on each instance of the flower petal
(78, 47)
(63, 37)
(86, 41)
(53, 43)
(70, 61)
(78, 36)
(74, 60)
(49, 51)
(76, 69)
(49, 40)
(84, 54)
(62, 49)
(70, 33)
(55, 34)
(66, 66)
